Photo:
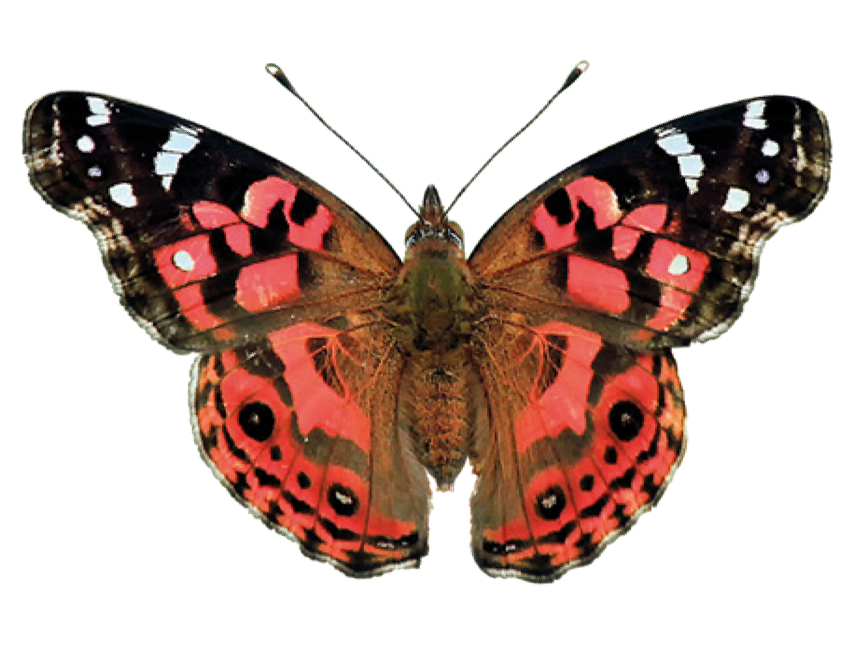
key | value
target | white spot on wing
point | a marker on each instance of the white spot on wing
(94, 171)
(762, 176)
(101, 111)
(691, 166)
(770, 148)
(85, 144)
(753, 117)
(181, 140)
(679, 265)
(183, 260)
(123, 195)
(737, 199)
(98, 119)
(166, 165)
(676, 144)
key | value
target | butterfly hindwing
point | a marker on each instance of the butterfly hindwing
(301, 428)
(589, 280)
(584, 436)
(208, 241)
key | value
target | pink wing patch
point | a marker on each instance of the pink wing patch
(603, 282)
(260, 285)
(562, 404)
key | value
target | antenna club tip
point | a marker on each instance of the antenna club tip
(278, 74)
(579, 69)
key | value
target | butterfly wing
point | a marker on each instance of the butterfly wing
(208, 242)
(589, 281)
(301, 427)
(582, 438)
(214, 247)
(655, 241)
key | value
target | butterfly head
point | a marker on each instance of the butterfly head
(433, 224)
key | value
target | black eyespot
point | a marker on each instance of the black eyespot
(257, 421)
(342, 500)
(303, 480)
(626, 420)
(550, 503)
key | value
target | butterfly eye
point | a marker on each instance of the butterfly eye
(410, 236)
(454, 233)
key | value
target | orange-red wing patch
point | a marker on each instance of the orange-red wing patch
(288, 427)
(597, 432)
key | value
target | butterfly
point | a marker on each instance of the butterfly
(333, 377)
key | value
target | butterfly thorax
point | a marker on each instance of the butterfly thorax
(434, 307)
(434, 302)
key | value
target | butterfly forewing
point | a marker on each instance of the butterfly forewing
(655, 241)
(208, 241)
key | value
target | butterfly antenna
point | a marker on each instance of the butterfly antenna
(579, 69)
(281, 77)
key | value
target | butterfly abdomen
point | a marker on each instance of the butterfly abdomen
(437, 401)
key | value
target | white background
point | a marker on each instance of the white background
(114, 531)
